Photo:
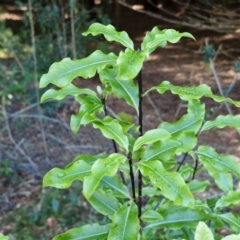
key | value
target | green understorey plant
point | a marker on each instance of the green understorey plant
(142, 188)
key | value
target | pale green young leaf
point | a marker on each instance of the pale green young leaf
(203, 232)
(231, 198)
(101, 168)
(110, 34)
(150, 191)
(232, 237)
(62, 73)
(68, 90)
(185, 170)
(120, 190)
(151, 136)
(86, 232)
(232, 220)
(196, 108)
(130, 63)
(104, 203)
(172, 184)
(122, 89)
(162, 150)
(188, 141)
(151, 216)
(112, 129)
(223, 163)
(63, 178)
(198, 186)
(221, 122)
(125, 223)
(181, 217)
(2, 237)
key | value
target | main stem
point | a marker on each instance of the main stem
(140, 121)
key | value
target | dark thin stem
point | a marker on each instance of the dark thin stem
(140, 121)
(182, 161)
(195, 169)
(113, 142)
(131, 175)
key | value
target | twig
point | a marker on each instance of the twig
(74, 52)
(157, 112)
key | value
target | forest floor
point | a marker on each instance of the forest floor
(22, 198)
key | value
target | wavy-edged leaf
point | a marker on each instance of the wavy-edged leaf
(203, 232)
(190, 93)
(231, 198)
(172, 184)
(101, 168)
(232, 220)
(130, 63)
(62, 73)
(110, 34)
(121, 89)
(188, 141)
(63, 178)
(151, 216)
(120, 190)
(162, 150)
(221, 122)
(151, 136)
(198, 186)
(181, 217)
(68, 90)
(86, 232)
(105, 204)
(125, 223)
(224, 163)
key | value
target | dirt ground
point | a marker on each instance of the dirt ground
(181, 64)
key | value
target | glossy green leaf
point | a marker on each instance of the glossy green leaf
(203, 232)
(232, 237)
(157, 38)
(101, 168)
(120, 190)
(232, 220)
(231, 198)
(151, 216)
(63, 178)
(222, 121)
(171, 184)
(121, 89)
(181, 217)
(151, 136)
(86, 232)
(190, 93)
(198, 186)
(105, 204)
(125, 223)
(224, 163)
(62, 73)
(130, 63)
(68, 90)
(162, 150)
(110, 34)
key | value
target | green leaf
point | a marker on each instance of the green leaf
(232, 220)
(224, 163)
(203, 232)
(113, 183)
(125, 223)
(86, 232)
(2, 237)
(232, 198)
(190, 93)
(62, 73)
(232, 237)
(196, 108)
(198, 186)
(68, 90)
(130, 63)
(222, 121)
(162, 150)
(151, 216)
(110, 34)
(121, 89)
(151, 136)
(171, 184)
(63, 178)
(102, 167)
(150, 192)
(181, 217)
(105, 204)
